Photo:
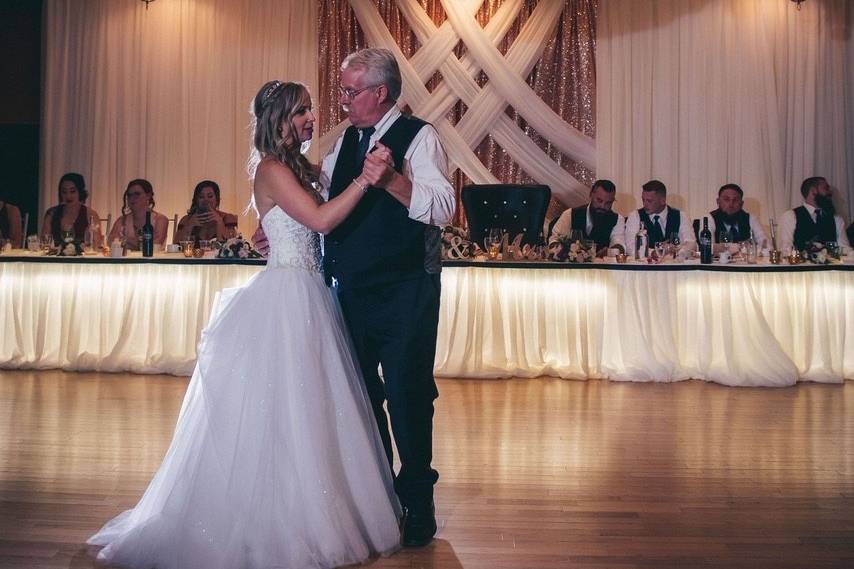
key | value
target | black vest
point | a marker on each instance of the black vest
(601, 233)
(674, 220)
(377, 243)
(742, 221)
(806, 229)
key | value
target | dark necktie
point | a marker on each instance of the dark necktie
(657, 232)
(733, 233)
(362, 147)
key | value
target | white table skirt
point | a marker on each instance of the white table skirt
(735, 328)
(138, 317)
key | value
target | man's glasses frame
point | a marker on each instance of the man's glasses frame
(351, 93)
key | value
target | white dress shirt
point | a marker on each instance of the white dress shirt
(756, 227)
(563, 225)
(425, 164)
(788, 221)
(687, 242)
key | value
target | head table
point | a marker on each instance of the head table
(735, 324)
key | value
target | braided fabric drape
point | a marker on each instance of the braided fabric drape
(509, 85)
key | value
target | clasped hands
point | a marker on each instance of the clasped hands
(378, 170)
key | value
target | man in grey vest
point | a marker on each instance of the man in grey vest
(385, 258)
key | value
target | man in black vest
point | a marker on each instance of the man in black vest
(661, 221)
(385, 258)
(730, 223)
(813, 221)
(595, 220)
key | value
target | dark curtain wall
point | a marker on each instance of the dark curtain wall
(20, 103)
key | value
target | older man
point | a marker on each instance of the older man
(730, 223)
(385, 258)
(660, 220)
(813, 221)
(595, 220)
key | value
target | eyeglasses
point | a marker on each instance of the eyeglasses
(351, 93)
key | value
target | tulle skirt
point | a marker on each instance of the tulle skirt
(275, 461)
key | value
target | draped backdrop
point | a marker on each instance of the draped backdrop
(702, 92)
(163, 93)
(694, 92)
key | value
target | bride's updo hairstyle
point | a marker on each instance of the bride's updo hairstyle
(273, 132)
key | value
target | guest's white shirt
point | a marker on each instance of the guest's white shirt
(788, 221)
(563, 225)
(425, 164)
(687, 242)
(756, 227)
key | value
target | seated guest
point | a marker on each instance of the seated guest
(814, 221)
(661, 221)
(730, 223)
(850, 233)
(138, 199)
(595, 220)
(10, 222)
(71, 214)
(204, 220)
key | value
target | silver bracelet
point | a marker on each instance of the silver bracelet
(360, 185)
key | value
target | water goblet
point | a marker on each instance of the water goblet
(492, 242)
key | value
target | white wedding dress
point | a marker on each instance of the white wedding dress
(275, 461)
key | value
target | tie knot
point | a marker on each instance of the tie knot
(367, 131)
(655, 217)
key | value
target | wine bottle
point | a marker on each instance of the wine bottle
(147, 244)
(641, 243)
(705, 243)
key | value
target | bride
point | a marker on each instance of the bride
(275, 461)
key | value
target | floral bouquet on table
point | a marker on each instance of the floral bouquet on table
(819, 253)
(69, 248)
(566, 250)
(237, 248)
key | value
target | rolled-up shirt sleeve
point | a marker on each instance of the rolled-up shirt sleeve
(433, 198)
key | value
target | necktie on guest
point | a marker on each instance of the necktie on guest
(362, 147)
(657, 232)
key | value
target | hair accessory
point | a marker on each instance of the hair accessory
(271, 92)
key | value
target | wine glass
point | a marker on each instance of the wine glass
(492, 242)
(675, 242)
(47, 242)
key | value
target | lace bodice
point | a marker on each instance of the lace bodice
(292, 244)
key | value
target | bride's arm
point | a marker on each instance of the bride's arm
(279, 183)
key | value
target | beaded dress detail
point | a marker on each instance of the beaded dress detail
(292, 244)
(275, 461)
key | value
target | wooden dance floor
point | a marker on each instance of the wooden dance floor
(539, 473)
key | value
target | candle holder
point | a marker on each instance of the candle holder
(775, 257)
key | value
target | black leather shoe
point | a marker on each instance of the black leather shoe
(419, 526)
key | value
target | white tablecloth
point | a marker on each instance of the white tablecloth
(735, 328)
(138, 317)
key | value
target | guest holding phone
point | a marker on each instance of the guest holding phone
(204, 220)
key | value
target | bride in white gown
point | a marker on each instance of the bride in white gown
(275, 461)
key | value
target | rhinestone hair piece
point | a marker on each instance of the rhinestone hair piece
(271, 92)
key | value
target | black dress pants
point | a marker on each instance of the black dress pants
(394, 326)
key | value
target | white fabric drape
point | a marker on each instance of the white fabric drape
(486, 106)
(734, 328)
(163, 93)
(82, 316)
(740, 329)
(698, 93)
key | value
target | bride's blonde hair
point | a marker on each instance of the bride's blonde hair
(273, 132)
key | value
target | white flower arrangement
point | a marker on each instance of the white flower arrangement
(237, 248)
(564, 250)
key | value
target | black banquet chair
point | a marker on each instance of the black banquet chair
(514, 208)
